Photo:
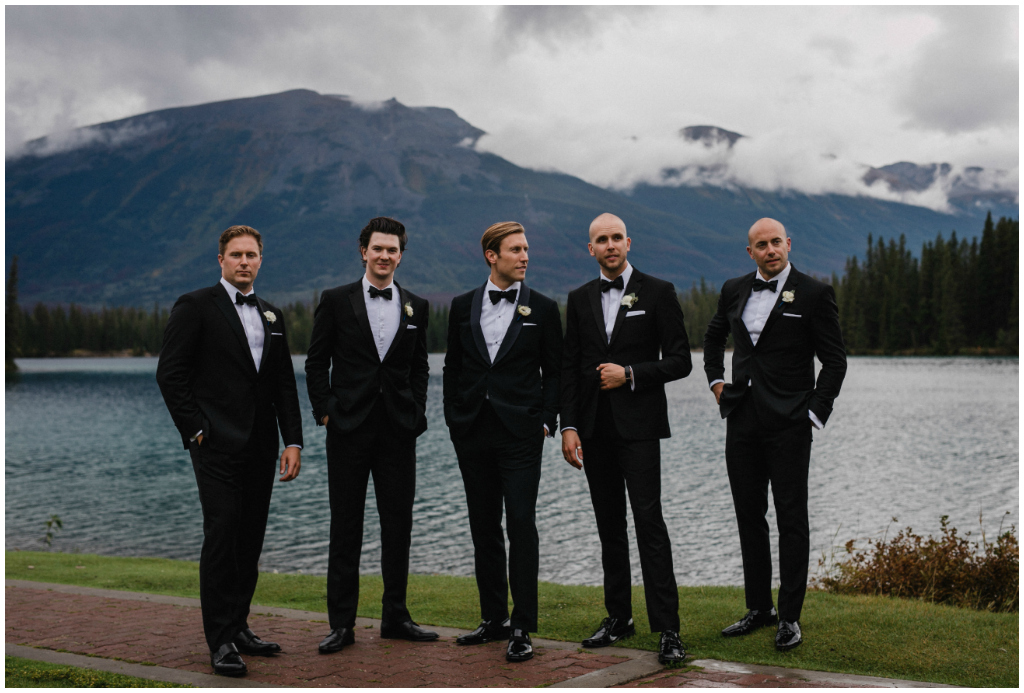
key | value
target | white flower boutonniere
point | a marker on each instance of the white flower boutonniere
(408, 309)
(524, 310)
(269, 315)
(788, 296)
(629, 300)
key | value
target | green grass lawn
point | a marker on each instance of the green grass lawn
(875, 636)
(27, 673)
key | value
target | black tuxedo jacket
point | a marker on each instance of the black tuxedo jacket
(209, 380)
(653, 325)
(781, 365)
(343, 344)
(523, 380)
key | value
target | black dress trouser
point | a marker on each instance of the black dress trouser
(756, 455)
(372, 448)
(234, 491)
(614, 467)
(500, 470)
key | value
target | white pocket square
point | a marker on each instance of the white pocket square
(791, 315)
(410, 327)
(529, 324)
(277, 334)
(631, 313)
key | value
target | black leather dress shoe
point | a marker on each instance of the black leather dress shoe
(610, 631)
(752, 621)
(488, 631)
(788, 636)
(670, 649)
(248, 642)
(337, 639)
(520, 647)
(226, 661)
(406, 631)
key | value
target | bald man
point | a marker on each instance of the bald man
(624, 340)
(780, 320)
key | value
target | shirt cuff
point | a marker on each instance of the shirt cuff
(632, 379)
(294, 445)
(715, 382)
(547, 433)
(568, 428)
(815, 420)
(196, 435)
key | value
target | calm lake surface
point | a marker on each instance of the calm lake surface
(916, 438)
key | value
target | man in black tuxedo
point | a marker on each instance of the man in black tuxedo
(614, 415)
(780, 319)
(367, 372)
(500, 401)
(226, 376)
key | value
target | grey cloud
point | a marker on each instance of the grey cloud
(967, 76)
(552, 24)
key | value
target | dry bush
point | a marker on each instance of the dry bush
(948, 570)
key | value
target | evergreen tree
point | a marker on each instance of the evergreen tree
(12, 326)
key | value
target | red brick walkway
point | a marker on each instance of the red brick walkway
(700, 678)
(171, 636)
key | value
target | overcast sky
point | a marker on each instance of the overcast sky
(597, 92)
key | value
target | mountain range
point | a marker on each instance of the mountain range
(128, 212)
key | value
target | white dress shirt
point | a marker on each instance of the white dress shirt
(385, 316)
(496, 317)
(755, 315)
(253, 326)
(250, 317)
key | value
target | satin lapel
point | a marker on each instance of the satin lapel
(474, 323)
(355, 297)
(594, 294)
(635, 282)
(776, 313)
(403, 321)
(741, 328)
(227, 307)
(515, 325)
(266, 333)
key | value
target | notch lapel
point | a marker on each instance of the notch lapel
(403, 322)
(774, 316)
(474, 323)
(227, 307)
(635, 282)
(594, 294)
(514, 327)
(355, 297)
(266, 333)
(740, 327)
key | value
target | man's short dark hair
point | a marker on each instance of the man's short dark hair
(233, 232)
(386, 225)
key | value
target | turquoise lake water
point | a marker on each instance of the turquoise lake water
(913, 438)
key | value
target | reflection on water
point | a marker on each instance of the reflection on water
(916, 438)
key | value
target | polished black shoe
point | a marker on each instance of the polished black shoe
(488, 631)
(406, 631)
(337, 639)
(249, 643)
(752, 621)
(227, 662)
(520, 647)
(670, 649)
(788, 636)
(610, 632)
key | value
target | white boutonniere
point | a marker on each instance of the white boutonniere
(269, 315)
(788, 296)
(629, 300)
(408, 309)
(524, 311)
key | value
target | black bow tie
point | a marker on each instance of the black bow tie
(613, 284)
(249, 300)
(496, 296)
(383, 293)
(760, 285)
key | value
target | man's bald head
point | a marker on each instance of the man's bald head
(606, 222)
(766, 224)
(609, 244)
(769, 246)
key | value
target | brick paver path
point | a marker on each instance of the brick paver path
(725, 679)
(172, 636)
